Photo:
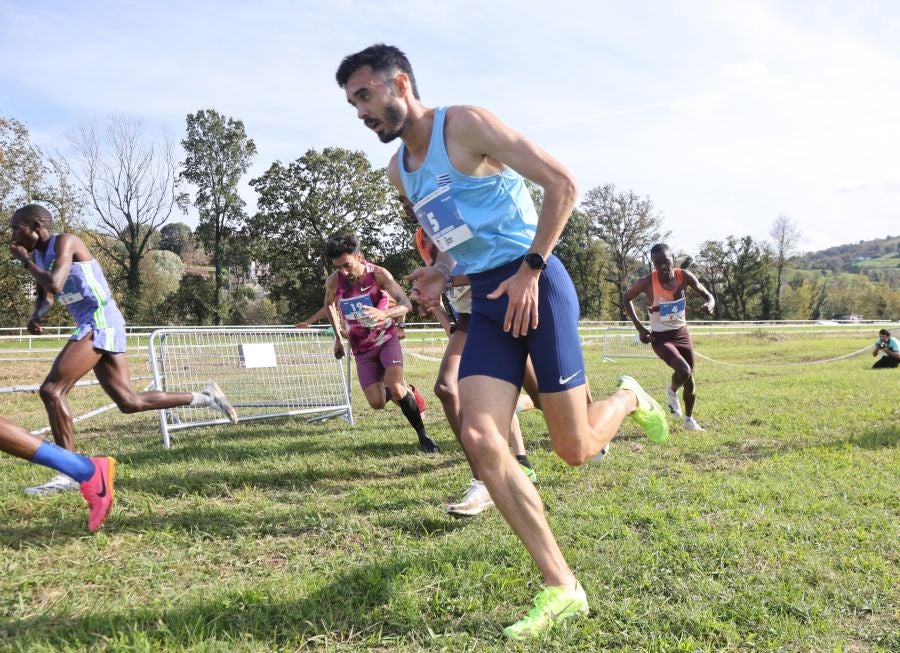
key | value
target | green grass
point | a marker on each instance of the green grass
(776, 529)
(886, 261)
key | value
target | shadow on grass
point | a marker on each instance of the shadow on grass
(352, 607)
(244, 447)
(285, 515)
(886, 436)
(44, 533)
(235, 445)
(227, 522)
(212, 522)
(419, 527)
(212, 481)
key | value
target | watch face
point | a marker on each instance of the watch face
(535, 261)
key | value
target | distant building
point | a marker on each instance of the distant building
(257, 270)
(848, 317)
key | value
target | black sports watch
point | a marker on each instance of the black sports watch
(535, 261)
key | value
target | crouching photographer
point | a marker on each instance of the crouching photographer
(888, 348)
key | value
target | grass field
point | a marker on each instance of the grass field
(887, 261)
(776, 529)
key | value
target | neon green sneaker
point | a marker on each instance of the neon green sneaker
(649, 415)
(530, 473)
(551, 606)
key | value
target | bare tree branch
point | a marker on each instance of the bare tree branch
(132, 183)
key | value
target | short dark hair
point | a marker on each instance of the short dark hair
(884, 332)
(660, 248)
(340, 244)
(382, 58)
(34, 215)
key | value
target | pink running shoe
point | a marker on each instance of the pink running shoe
(98, 491)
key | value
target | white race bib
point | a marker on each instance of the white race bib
(671, 311)
(69, 295)
(441, 219)
(353, 311)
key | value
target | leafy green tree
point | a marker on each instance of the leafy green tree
(586, 258)
(161, 273)
(21, 166)
(738, 272)
(583, 255)
(218, 155)
(304, 202)
(245, 308)
(192, 304)
(856, 294)
(177, 238)
(629, 225)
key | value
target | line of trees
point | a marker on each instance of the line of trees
(269, 267)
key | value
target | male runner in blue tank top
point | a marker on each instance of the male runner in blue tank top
(463, 169)
(65, 270)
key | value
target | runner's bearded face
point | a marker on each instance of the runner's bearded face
(391, 126)
(377, 104)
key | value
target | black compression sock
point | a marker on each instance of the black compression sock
(411, 412)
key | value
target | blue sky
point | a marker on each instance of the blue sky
(726, 114)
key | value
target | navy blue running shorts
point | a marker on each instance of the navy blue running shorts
(554, 346)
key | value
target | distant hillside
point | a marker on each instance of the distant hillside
(866, 256)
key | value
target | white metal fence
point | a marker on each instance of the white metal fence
(424, 341)
(264, 372)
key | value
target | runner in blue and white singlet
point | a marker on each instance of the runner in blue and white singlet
(463, 169)
(487, 224)
(87, 297)
(65, 271)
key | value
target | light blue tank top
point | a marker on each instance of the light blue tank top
(483, 222)
(85, 293)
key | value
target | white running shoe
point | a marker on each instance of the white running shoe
(691, 424)
(59, 483)
(597, 457)
(217, 401)
(477, 499)
(672, 401)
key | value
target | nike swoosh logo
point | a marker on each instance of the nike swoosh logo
(556, 615)
(102, 493)
(365, 289)
(397, 362)
(568, 378)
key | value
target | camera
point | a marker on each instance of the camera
(882, 345)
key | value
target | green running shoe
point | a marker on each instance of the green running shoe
(551, 606)
(649, 414)
(530, 473)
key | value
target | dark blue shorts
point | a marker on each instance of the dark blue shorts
(554, 347)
